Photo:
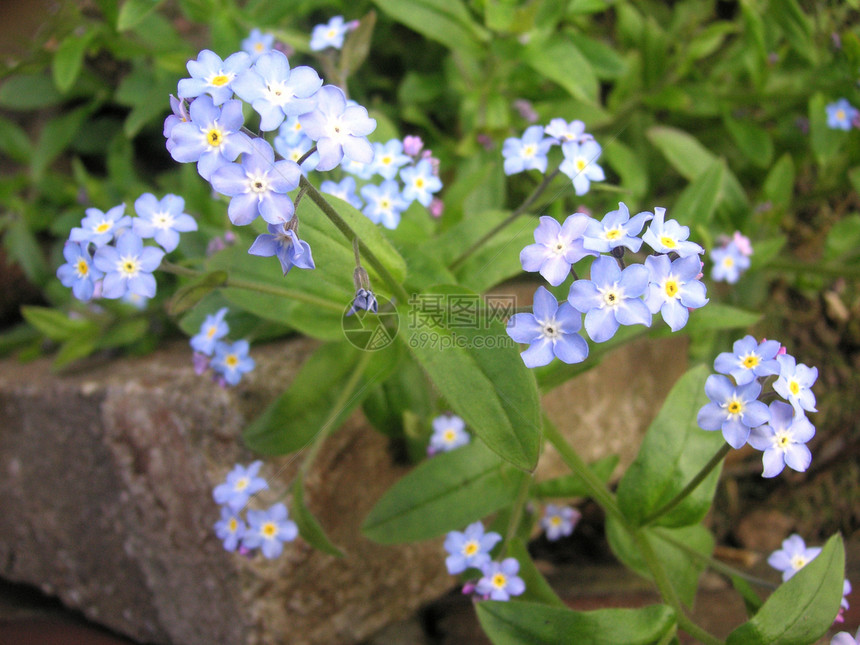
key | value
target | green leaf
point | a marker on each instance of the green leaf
(825, 141)
(445, 21)
(765, 250)
(69, 58)
(751, 599)
(298, 415)
(537, 588)
(523, 623)
(673, 452)
(754, 142)
(698, 202)
(559, 60)
(125, 332)
(55, 137)
(189, 295)
(22, 247)
(480, 373)
(445, 493)
(309, 527)
(778, 186)
(55, 324)
(29, 92)
(14, 142)
(795, 25)
(498, 259)
(133, 11)
(802, 609)
(683, 151)
(357, 45)
(843, 240)
(573, 485)
(404, 392)
(605, 61)
(634, 177)
(716, 316)
(76, 348)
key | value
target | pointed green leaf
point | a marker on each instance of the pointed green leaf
(559, 60)
(778, 186)
(698, 202)
(825, 140)
(753, 141)
(190, 294)
(717, 316)
(309, 527)
(573, 485)
(14, 141)
(56, 325)
(29, 92)
(446, 21)
(683, 151)
(766, 250)
(133, 11)
(537, 588)
(69, 58)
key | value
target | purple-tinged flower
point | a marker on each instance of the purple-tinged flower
(611, 298)
(840, 114)
(551, 332)
(729, 263)
(162, 220)
(210, 75)
(793, 556)
(365, 300)
(258, 43)
(743, 244)
(180, 115)
(436, 207)
(128, 267)
(212, 138)
(794, 383)
(384, 203)
(500, 580)
(562, 131)
(78, 272)
(419, 183)
(783, 440)
(241, 483)
(616, 229)
(101, 228)
(213, 329)
(734, 410)
(339, 129)
(282, 242)
(749, 359)
(449, 432)
(231, 361)
(843, 606)
(275, 91)
(526, 110)
(559, 521)
(669, 236)
(230, 528)
(344, 189)
(556, 248)
(258, 186)
(200, 362)
(330, 34)
(269, 530)
(528, 152)
(469, 549)
(388, 158)
(674, 290)
(844, 638)
(580, 164)
(412, 145)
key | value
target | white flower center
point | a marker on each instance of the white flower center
(612, 296)
(163, 220)
(278, 93)
(734, 407)
(470, 548)
(220, 79)
(258, 183)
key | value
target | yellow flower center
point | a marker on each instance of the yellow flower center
(83, 268)
(269, 529)
(220, 80)
(233, 525)
(241, 484)
(840, 115)
(555, 520)
(104, 227)
(449, 436)
(231, 360)
(794, 387)
(750, 361)
(214, 137)
(258, 47)
(668, 242)
(529, 150)
(386, 160)
(798, 562)
(671, 288)
(783, 440)
(130, 266)
(729, 262)
(581, 164)
(419, 183)
(500, 580)
(470, 548)
(610, 299)
(734, 407)
(385, 204)
(613, 233)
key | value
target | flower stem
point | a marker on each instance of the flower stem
(690, 487)
(517, 509)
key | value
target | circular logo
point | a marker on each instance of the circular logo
(370, 331)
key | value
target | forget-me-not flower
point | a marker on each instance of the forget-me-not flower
(269, 530)
(469, 549)
(616, 229)
(673, 289)
(844, 638)
(556, 248)
(841, 115)
(559, 521)
(732, 409)
(231, 360)
(101, 228)
(795, 382)
(230, 528)
(562, 131)
(339, 129)
(749, 359)
(210, 75)
(729, 263)
(783, 440)
(128, 267)
(419, 183)
(793, 556)
(384, 203)
(528, 152)
(669, 237)
(449, 432)
(78, 272)
(580, 164)
(180, 115)
(551, 331)
(258, 43)
(388, 158)
(241, 483)
(213, 329)
(282, 242)
(162, 219)
(344, 189)
(500, 580)
(365, 300)
(330, 34)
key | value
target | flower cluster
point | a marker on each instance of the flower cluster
(106, 257)
(471, 549)
(781, 429)
(579, 148)
(227, 360)
(449, 432)
(267, 529)
(667, 282)
(731, 258)
(841, 115)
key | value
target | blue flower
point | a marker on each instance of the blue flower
(330, 34)
(290, 133)
(258, 43)
(269, 530)
(78, 272)
(840, 115)
(128, 267)
(562, 131)
(793, 556)
(748, 360)
(469, 549)
(384, 203)
(734, 410)
(101, 228)
(556, 248)
(241, 483)
(616, 229)
(420, 183)
(180, 115)
(794, 383)
(296, 150)
(258, 186)
(844, 638)
(579, 164)
(275, 91)
(729, 263)
(669, 236)
(339, 129)
(528, 152)
(783, 440)
(365, 300)
(611, 298)
(388, 158)
(232, 360)
(551, 331)
(230, 528)
(212, 138)
(162, 220)
(282, 242)
(344, 189)
(213, 329)
(674, 290)
(500, 580)
(211, 75)
(449, 432)
(559, 521)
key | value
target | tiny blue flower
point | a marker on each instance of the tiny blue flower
(282, 242)
(388, 158)
(231, 361)
(449, 432)
(339, 129)
(500, 580)
(257, 43)
(78, 272)
(469, 549)
(128, 267)
(616, 229)
(162, 220)
(230, 528)
(241, 483)
(673, 289)
(296, 150)
(551, 331)
(330, 34)
(794, 383)
(749, 359)
(669, 236)
(841, 114)
(365, 300)
(290, 133)
(793, 556)
(344, 189)
(783, 440)
(556, 248)
(562, 131)
(729, 263)
(844, 638)
(528, 152)
(734, 410)
(269, 530)
(611, 298)
(101, 228)
(580, 164)
(211, 75)
(213, 329)
(559, 521)
(420, 183)
(360, 170)
(384, 203)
